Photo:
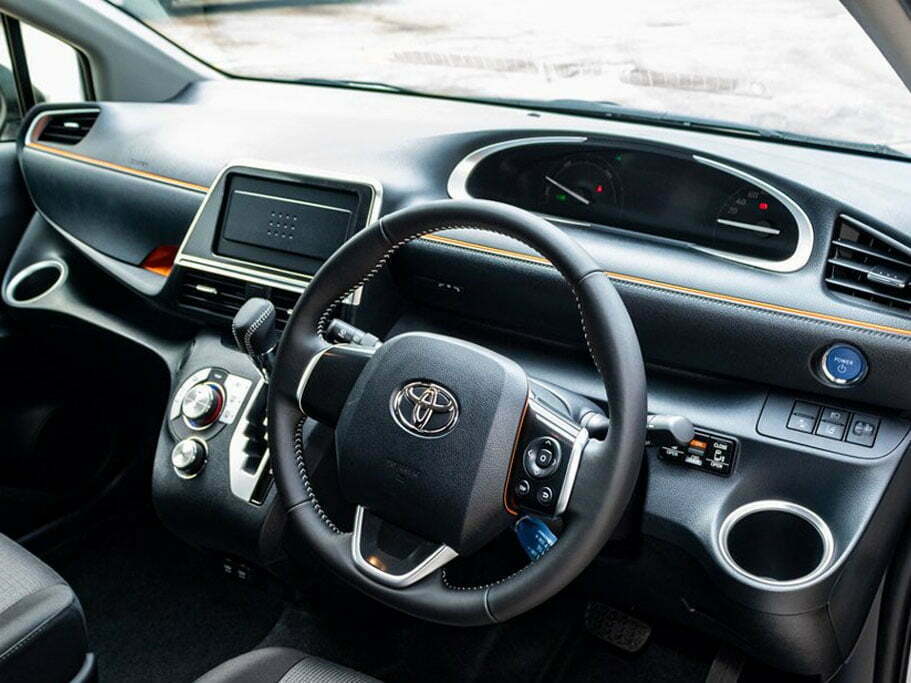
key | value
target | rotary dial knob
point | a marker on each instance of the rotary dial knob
(202, 405)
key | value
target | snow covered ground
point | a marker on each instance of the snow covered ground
(799, 65)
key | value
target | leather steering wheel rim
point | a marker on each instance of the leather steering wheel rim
(608, 469)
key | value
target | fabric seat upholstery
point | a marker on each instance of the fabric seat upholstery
(282, 665)
(42, 627)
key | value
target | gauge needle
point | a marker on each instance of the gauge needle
(574, 195)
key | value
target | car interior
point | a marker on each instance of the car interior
(318, 371)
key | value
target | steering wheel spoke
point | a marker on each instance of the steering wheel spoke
(327, 380)
(392, 556)
(547, 461)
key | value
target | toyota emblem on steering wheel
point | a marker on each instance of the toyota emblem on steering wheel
(425, 408)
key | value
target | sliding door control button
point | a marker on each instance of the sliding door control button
(801, 423)
(835, 416)
(863, 430)
(830, 430)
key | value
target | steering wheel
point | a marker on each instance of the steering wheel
(440, 444)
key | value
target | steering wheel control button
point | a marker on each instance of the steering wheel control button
(830, 430)
(523, 488)
(202, 405)
(862, 430)
(542, 457)
(188, 457)
(843, 364)
(545, 496)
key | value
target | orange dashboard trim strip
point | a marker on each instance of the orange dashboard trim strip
(531, 258)
(678, 288)
(117, 167)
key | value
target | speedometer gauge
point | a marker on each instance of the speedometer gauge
(753, 210)
(581, 182)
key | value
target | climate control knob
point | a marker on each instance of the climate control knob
(202, 404)
(188, 457)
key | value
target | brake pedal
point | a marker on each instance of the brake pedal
(615, 627)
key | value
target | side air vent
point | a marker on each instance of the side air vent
(223, 296)
(870, 266)
(67, 128)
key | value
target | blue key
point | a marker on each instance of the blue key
(534, 536)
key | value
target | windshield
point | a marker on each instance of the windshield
(801, 66)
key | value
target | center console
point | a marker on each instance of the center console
(262, 231)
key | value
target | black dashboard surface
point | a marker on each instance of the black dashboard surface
(137, 180)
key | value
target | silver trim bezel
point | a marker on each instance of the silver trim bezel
(457, 187)
(828, 541)
(243, 483)
(836, 380)
(442, 556)
(312, 363)
(576, 435)
(16, 280)
(205, 458)
(805, 235)
(56, 112)
(255, 272)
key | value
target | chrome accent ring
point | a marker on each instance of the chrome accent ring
(817, 522)
(62, 272)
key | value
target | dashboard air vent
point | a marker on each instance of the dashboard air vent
(67, 128)
(870, 266)
(223, 296)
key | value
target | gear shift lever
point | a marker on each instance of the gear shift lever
(254, 333)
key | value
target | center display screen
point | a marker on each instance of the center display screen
(293, 226)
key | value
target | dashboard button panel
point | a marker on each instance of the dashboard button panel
(830, 427)
(707, 452)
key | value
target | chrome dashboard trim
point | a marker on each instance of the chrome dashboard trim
(436, 560)
(805, 234)
(576, 435)
(817, 522)
(29, 134)
(255, 272)
(57, 264)
(457, 187)
(241, 481)
(317, 357)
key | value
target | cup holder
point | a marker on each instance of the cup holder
(35, 281)
(777, 543)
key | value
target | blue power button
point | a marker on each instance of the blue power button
(843, 364)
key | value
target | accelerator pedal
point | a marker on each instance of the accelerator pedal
(727, 667)
(615, 627)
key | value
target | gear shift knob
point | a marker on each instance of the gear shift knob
(254, 333)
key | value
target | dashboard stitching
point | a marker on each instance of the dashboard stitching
(746, 307)
(302, 471)
(111, 166)
(621, 279)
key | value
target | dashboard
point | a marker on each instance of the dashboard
(768, 284)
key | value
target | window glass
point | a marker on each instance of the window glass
(803, 67)
(53, 66)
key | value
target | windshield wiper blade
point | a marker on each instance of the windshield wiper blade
(365, 85)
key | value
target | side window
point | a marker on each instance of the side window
(53, 66)
(53, 69)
